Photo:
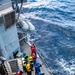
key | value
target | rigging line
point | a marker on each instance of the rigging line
(20, 9)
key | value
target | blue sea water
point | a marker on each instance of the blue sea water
(54, 21)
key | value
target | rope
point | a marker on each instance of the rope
(20, 10)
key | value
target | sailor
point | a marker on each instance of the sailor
(30, 60)
(39, 73)
(33, 49)
(24, 66)
(37, 67)
(25, 57)
(28, 69)
(18, 72)
(34, 57)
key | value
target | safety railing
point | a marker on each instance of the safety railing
(41, 56)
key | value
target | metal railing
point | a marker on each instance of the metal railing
(40, 55)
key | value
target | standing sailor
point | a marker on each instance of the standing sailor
(33, 49)
(34, 57)
(37, 67)
(25, 57)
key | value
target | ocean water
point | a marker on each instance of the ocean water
(54, 21)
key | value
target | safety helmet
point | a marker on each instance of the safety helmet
(39, 73)
(17, 70)
(30, 58)
(28, 65)
(36, 63)
(24, 53)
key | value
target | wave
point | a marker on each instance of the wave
(54, 21)
(69, 67)
(36, 4)
(63, 17)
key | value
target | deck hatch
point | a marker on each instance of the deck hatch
(14, 65)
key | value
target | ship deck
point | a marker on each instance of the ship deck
(26, 48)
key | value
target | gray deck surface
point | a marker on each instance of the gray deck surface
(26, 49)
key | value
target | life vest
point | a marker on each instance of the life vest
(30, 60)
(25, 58)
(33, 49)
(34, 56)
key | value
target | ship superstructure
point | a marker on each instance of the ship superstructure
(9, 42)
